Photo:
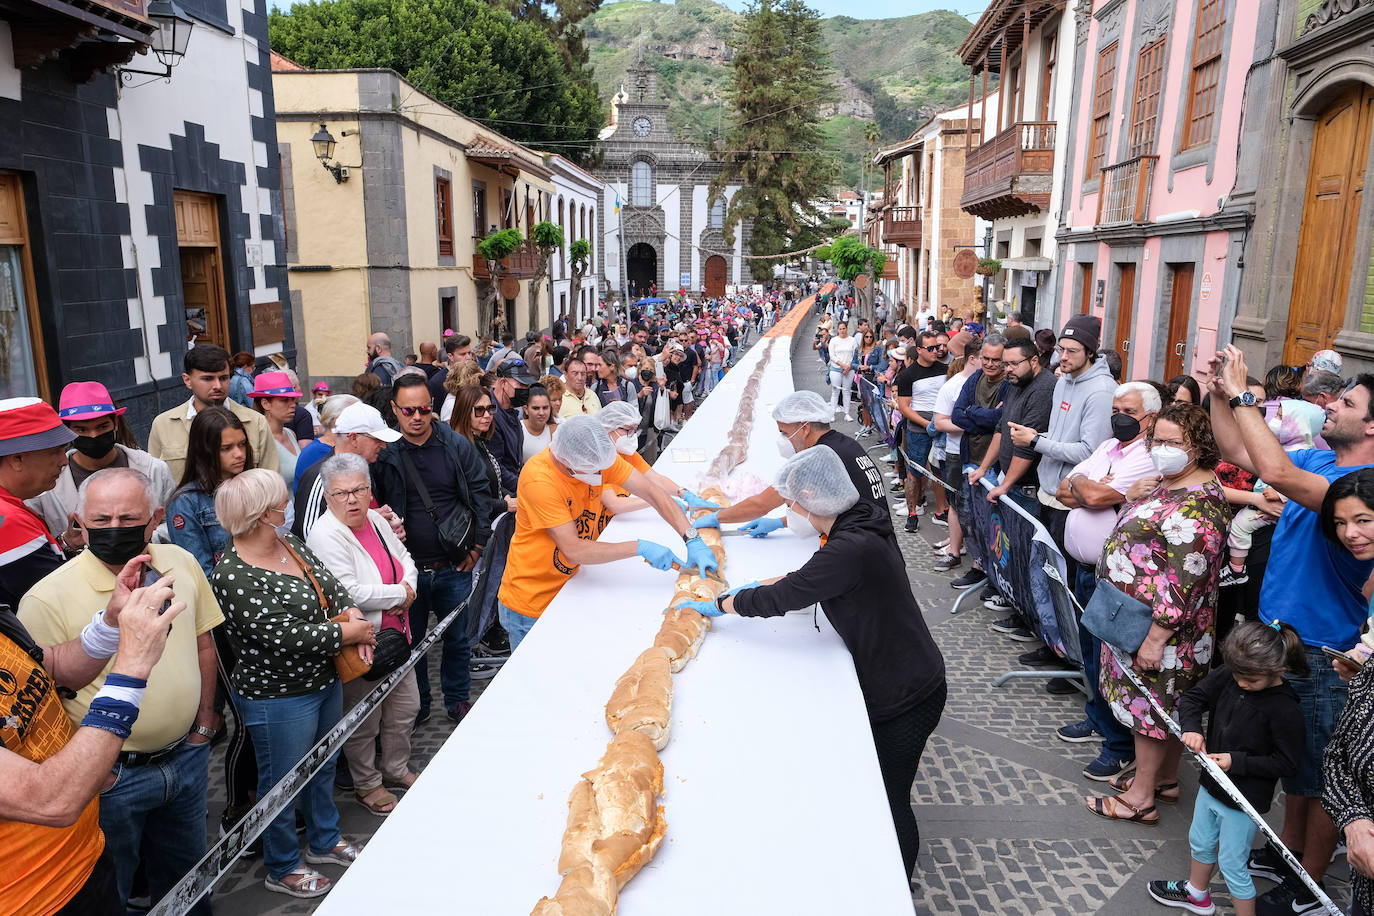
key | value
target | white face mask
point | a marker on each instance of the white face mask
(1169, 460)
(800, 525)
(590, 478)
(785, 447)
(631, 373)
(625, 445)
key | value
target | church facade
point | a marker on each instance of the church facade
(659, 227)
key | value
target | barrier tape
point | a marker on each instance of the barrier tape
(1207, 765)
(222, 856)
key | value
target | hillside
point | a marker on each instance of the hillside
(911, 60)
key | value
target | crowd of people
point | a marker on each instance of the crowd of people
(305, 546)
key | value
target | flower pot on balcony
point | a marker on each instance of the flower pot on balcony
(988, 267)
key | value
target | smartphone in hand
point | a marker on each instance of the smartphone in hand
(1348, 657)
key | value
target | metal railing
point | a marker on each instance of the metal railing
(1124, 196)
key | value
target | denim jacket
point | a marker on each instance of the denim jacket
(193, 526)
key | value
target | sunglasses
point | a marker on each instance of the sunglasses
(935, 348)
(424, 410)
(482, 410)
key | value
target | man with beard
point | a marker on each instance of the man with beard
(1028, 403)
(1319, 593)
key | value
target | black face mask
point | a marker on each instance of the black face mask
(519, 397)
(117, 546)
(95, 446)
(1125, 427)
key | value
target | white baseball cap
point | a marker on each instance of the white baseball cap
(363, 418)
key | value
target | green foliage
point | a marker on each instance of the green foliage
(822, 253)
(467, 54)
(500, 244)
(988, 267)
(851, 257)
(580, 253)
(547, 235)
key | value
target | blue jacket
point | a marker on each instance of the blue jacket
(389, 486)
(506, 444)
(240, 383)
(972, 418)
(194, 527)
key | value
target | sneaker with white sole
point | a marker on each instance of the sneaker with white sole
(948, 562)
(1230, 578)
(1077, 733)
(997, 603)
(1289, 897)
(1106, 767)
(969, 579)
(941, 518)
(1175, 894)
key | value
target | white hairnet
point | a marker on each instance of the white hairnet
(582, 444)
(617, 414)
(817, 480)
(803, 407)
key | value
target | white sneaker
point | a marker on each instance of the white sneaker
(890, 459)
(899, 509)
(848, 418)
(920, 510)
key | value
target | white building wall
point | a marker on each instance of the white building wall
(701, 217)
(670, 201)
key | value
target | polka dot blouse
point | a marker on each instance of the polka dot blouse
(282, 636)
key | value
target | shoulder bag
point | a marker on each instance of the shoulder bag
(350, 665)
(1116, 618)
(458, 532)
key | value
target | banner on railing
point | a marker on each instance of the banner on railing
(1013, 548)
(879, 412)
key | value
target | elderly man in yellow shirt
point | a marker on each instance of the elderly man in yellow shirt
(578, 399)
(155, 810)
(205, 370)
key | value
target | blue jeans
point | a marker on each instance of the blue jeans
(1223, 836)
(1322, 696)
(1117, 741)
(517, 625)
(439, 592)
(156, 813)
(284, 729)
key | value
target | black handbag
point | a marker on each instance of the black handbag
(458, 532)
(1116, 618)
(389, 653)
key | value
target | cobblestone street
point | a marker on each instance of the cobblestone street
(999, 798)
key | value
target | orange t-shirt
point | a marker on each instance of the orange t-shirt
(637, 462)
(547, 498)
(44, 866)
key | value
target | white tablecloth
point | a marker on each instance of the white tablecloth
(773, 797)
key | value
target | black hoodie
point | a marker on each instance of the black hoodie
(859, 578)
(1262, 730)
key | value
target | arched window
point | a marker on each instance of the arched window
(718, 213)
(642, 185)
(562, 264)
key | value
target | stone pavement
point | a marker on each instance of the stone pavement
(998, 797)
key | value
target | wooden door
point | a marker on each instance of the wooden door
(1330, 214)
(1085, 292)
(202, 268)
(1125, 308)
(1180, 316)
(714, 284)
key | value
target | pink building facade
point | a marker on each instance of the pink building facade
(1155, 206)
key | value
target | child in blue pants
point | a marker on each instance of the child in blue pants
(1255, 736)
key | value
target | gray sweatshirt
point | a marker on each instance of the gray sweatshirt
(1080, 421)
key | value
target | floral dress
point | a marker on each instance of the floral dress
(1167, 551)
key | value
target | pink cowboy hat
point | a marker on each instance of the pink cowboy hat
(86, 401)
(273, 385)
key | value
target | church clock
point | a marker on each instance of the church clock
(642, 127)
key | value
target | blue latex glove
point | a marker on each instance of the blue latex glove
(762, 527)
(696, 502)
(739, 588)
(700, 556)
(710, 520)
(704, 608)
(657, 556)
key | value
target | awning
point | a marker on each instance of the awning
(1027, 264)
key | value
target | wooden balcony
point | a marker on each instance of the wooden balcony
(1125, 191)
(1011, 174)
(523, 264)
(902, 226)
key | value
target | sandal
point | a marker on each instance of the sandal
(344, 853)
(1166, 794)
(377, 800)
(303, 882)
(1107, 806)
(405, 782)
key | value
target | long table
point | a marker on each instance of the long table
(773, 797)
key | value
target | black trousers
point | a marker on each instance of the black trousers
(900, 742)
(99, 896)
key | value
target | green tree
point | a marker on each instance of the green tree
(547, 239)
(494, 249)
(779, 78)
(469, 55)
(580, 260)
(851, 259)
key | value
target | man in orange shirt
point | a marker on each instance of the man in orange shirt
(559, 514)
(50, 772)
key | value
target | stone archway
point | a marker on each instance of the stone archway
(641, 268)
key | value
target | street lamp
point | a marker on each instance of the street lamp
(324, 143)
(169, 42)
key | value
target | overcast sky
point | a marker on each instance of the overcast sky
(885, 9)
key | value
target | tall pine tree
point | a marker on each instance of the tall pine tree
(780, 77)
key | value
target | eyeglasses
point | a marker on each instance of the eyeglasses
(1152, 441)
(423, 410)
(628, 430)
(349, 496)
(1070, 351)
(993, 362)
(1012, 364)
(482, 410)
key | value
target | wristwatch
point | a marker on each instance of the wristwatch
(688, 535)
(1244, 399)
(204, 731)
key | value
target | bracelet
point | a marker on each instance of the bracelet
(98, 638)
